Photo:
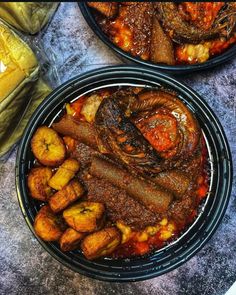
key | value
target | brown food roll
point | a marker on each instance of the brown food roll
(175, 181)
(161, 45)
(81, 131)
(151, 196)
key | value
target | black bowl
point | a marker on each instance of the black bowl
(128, 58)
(210, 213)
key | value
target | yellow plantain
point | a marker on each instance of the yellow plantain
(48, 147)
(38, 183)
(85, 216)
(101, 243)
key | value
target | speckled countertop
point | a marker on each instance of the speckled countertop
(25, 268)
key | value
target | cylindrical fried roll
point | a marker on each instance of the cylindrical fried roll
(174, 180)
(81, 131)
(161, 45)
(150, 195)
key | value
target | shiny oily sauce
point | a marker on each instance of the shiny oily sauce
(121, 172)
(143, 231)
(170, 33)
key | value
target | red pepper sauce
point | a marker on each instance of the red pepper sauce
(201, 14)
(133, 248)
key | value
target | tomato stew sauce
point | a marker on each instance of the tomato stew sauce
(135, 243)
(133, 33)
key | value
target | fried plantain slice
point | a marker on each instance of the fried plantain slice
(38, 183)
(101, 243)
(47, 225)
(48, 147)
(63, 198)
(85, 216)
(64, 174)
(70, 239)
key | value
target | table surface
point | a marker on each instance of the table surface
(25, 268)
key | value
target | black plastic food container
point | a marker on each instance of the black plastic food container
(210, 213)
(128, 58)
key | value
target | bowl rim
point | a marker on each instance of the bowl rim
(175, 69)
(33, 123)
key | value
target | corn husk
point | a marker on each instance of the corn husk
(37, 94)
(28, 17)
(19, 71)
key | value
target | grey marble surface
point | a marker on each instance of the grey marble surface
(25, 268)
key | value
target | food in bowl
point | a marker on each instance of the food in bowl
(120, 173)
(168, 32)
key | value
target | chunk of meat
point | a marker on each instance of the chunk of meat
(162, 50)
(131, 30)
(184, 32)
(124, 139)
(109, 9)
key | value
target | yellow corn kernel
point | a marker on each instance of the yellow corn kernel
(164, 221)
(171, 227)
(142, 236)
(125, 230)
(152, 230)
(165, 235)
(190, 50)
(199, 52)
(69, 109)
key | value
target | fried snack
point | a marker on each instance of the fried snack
(101, 243)
(161, 45)
(81, 131)
(48, 147)
(108, 9)
(153, 197)
(174, 180)
(38, 183)
(28, 17)
(63, 198)
(47, 225)
(85, 216)
(70, 239)
(64, 174)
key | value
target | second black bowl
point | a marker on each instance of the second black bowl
(128, 58)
